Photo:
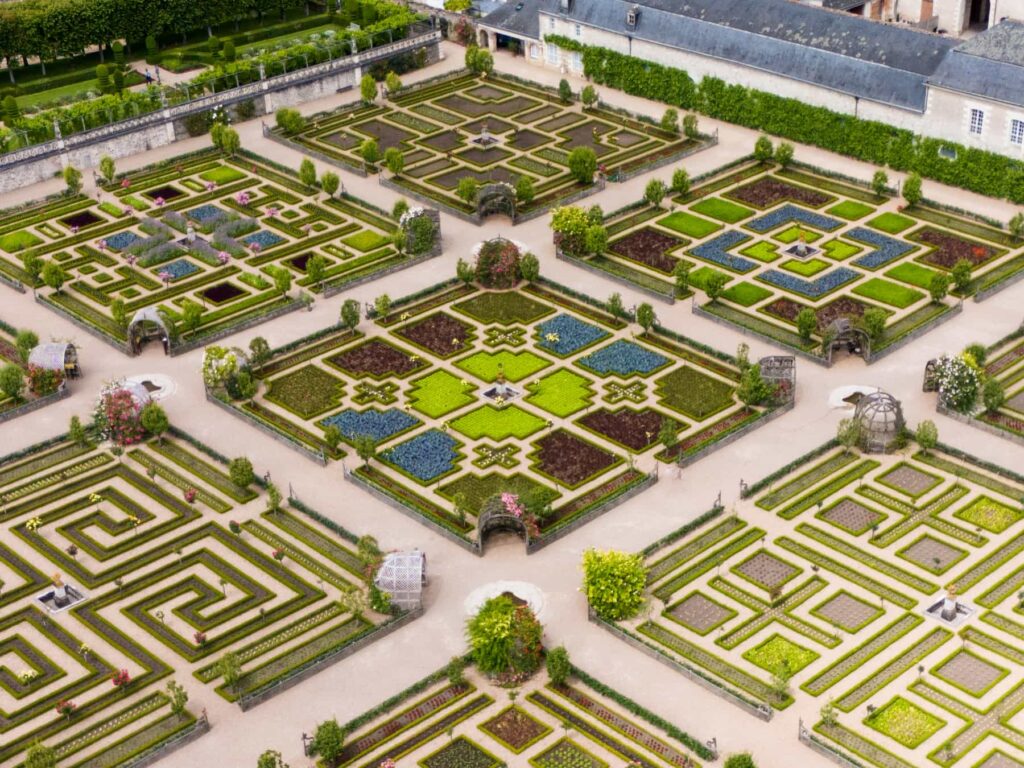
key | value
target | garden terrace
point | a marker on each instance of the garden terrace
(746, 222)
(434, 125)
(815, 591)
(250, 220)
(589, 400)
(179, 566)
(581, 723)
(27, 401)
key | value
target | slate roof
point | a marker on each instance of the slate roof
(845, 53)
(990, 65)
(521, 23)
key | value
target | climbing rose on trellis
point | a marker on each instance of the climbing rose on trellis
(121, 414)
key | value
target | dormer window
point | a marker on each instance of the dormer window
(565, 5)
(632, 15)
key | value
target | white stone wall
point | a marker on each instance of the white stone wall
(949, 117)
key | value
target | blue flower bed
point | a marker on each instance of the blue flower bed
(264, 238)
(811, 288)
(716, 251)
(180, 268)
(121, 240)
(886, 248)
(426, 456)
(380, 425)
(573, 334)
(206, 214)
(623, 358)
(790, 213)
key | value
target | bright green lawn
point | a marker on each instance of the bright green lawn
(720, 209)
(805, 268)
(516, 365)
(762, 250)
(498, 423)
(912, 273)
(746, 294)
(19, 240)
(561, 393)
(888, 292)
(904, 722)
(439, 393)
(699, 277)
(792, 234)
(479, 488)
(223, 174)
(73, 89)
(891, 222)
(840, 249)
(850, 210)
(688, 224)
(366, 240)
(778, 653)
(989, 514)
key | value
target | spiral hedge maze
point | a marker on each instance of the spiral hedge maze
(529, 135)
(471, 723)
(250, 221)
(861, 254)
(816, 593)
(587, 400)
(168, 586)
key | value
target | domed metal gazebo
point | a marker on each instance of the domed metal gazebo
(881, 421)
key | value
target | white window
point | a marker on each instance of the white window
(534, 51)
(1017, 132)
(551, 23)
(977, 122)
(577, 61)
(579, 31)
(552, 53)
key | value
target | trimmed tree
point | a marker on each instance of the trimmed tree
(596, 239)
(154, 420)
(880, 183)
(290, 121)
(350, 313)
(763, 149)
(558, 665)
(368, 89)
(938, 287)
(680, 181)
(564, 91)
(394, 160)
(524, 190)
(329, 182)
(382, 305)
(583, 164)
(961, 275)
(259, 352)
(392, 82)
(53, 276)
(307, 172)
(1016, 226)
(645, 316)
(912, 189)
(329, 740)
(240, 471)
(108, 170)
(784, 154)
(614, 583)
(993, 395)
(690, 126)
(873, 321)
(670, 120)
(715, 285)
(848, 434)
(12, 381)
(72, 180)
(369, 150)
(806, 324)
(467, 189)
(681, 272)
(588, 96)
(927, 435)
(654, 192)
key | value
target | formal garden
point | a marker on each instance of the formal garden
(203, 245)
(803, 260)
(496, 707)
(461, 404)
(448, 141)
(131, 563)
(984, 385)
(840, 585)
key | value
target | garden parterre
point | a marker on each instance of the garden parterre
(434, 125)
(1005, 364)
(766, 212)
(171, 585)
(815, 594)
(133, 248)
(542, 393)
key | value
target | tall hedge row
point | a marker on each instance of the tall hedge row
(987, 173)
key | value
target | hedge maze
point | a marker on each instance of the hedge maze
(470, 723)
(587, 400)
(250, 223)
(167, 587)
(745, 226)
(815, 594)
(530, 133)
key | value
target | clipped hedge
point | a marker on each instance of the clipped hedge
(977, 170)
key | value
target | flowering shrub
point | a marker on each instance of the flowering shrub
(34, 524)
(886, 248)
(623, 358)
(200, 638)
(378, 425)
(564, 334)
(716, 251)
(125, 183)
(790, 213)
(65, 708)
(426, 456)
(506, 638)
(118, 417)
(497, 263)
(811, 288)
(44, 381)
(242, 198)
(190, 494)
(278, 555)
(121, 679)
(959, 381)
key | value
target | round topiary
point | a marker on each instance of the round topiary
(505, 637)
(497, 263)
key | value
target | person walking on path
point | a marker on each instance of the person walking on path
(149, 78)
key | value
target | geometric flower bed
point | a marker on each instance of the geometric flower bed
(589, 401)
(249, 220)
(740, 222)
(433, 124)
(1004, 362)
(470, 724)
(816, 593)
(171, 586)
(9, 356)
